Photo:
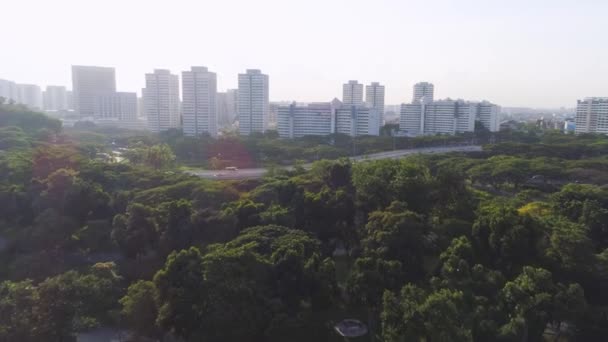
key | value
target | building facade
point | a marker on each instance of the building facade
(119, 106)
(374, 98)
(296, 121)
(9, 91)
(447, 117)
(253, 102)
(592, 115)
(55, 98)
(323, 118)
(489, 115)
(160, 99)
(424, 90)
(89, 82)
(227, 107)
(352, 93)
(199, 92)
(357, 120)
(30, 95)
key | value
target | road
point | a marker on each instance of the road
(260, 172)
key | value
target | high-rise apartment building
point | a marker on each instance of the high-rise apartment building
(30, 95)
(325, 118)
(160, 100)
(423, 90)
(89, 82)
(227, 107)
(9, 91)
(199, 90)
(352, 93)
(55, 98)
(374, 98)
(357, 120)
(296, 121)
(120, 106)
(488, 114)
(592, 115)
(427, 116)
(232, 104)
(253, 102)
(447, 117)
(273, 114)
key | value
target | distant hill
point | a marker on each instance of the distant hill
(26, 119)
(20, 126)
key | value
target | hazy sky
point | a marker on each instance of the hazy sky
(539, 53)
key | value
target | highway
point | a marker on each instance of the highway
(260, 172)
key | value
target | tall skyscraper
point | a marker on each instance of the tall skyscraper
(30, 95)
(253, 101)
(352, 93)
(592, 115)
(55, 98)
(8, 90)
(89, 82)
(424, 90)
(374, 97)
(199, 91)
(160, 100)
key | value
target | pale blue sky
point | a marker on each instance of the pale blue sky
(538, 53)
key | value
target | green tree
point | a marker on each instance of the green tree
(417, 316)
(397, 234)
(181, 293)
(370, 277)
(136, 231)
(176, 229)
(534, 301)
(381, 182)
(160, 156)
(18, 320)
(506, 239)
(139, 308)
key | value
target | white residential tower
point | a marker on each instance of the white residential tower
(253, 102)
(160, 100)
(199, 91)
(352, 93)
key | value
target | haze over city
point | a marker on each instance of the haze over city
(303, 170)
(519, 53)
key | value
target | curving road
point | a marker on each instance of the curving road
(260, 172)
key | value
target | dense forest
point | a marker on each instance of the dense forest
(507, 244)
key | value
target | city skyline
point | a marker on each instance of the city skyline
(518, 54)
(337, 92)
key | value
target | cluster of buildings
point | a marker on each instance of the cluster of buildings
(53, 98)
(355, 117)
(193, 104)
(351, 116)
(425, 115)
(202, 109)
(96, 97)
